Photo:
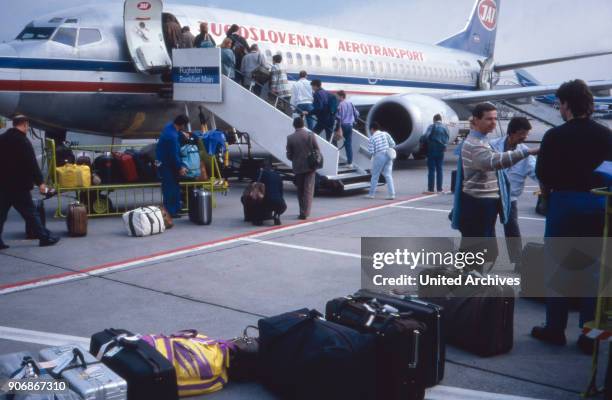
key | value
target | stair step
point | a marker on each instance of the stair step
(356, 186)
(351, 175)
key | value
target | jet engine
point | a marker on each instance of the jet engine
(407, 116)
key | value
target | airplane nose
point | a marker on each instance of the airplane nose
(10, 80)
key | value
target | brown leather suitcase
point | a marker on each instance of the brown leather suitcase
(76, 220)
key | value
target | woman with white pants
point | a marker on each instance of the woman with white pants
(381, 149)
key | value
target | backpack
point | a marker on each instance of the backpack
(332, 102)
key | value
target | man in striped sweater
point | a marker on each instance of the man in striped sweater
(481, 199)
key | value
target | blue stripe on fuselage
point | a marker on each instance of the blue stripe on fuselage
(126, 66)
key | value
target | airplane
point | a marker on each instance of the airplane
(75, 70)
(525, 79)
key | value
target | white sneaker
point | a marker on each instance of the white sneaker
(370, 196)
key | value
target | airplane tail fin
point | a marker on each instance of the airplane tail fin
(525, 78)
(478, 36)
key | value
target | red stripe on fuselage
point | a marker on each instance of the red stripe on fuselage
(88, 87)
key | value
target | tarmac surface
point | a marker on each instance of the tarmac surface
(220, 278)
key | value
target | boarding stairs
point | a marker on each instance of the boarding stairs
(269, 127)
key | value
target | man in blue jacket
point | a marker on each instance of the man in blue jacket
(168, 154)
(324, 108)
(437, 138)
(518, 130)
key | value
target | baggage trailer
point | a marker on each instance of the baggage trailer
(118, 198)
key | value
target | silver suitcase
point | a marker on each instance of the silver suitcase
(200, 207)
(12, 365)
(88, 377)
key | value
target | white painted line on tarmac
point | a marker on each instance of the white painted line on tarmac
(55, 339)
(305, 248)
(455, 393)
(44, 338)
(447, 211)
(121, 265)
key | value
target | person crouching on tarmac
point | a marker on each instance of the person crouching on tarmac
(19, 170)
(170, 167)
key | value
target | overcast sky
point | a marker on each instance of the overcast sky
(527, 29)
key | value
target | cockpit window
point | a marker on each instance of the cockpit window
(66, 36)
(71, 21)
(88, 36)
(33, 33)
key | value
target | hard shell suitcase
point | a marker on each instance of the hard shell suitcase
(479, 319)
(87, 376)
(433, 345)
(399, 352)
(200, 207)
(127, 167)
(23, 365)
(303, 356)
(39, 208)
(76, 220)
(148, 374)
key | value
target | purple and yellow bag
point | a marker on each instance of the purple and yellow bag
(201, 363)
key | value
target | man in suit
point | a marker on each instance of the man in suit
(299, 145)
(19, 171)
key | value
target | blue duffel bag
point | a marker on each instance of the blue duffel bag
(190, 157)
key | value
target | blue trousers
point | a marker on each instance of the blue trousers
(381, 163)
(171, 190)
(310, 121)
(347, 132)
(572, 214)
(434, 168)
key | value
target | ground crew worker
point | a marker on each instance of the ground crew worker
(19, 169)
(168, 154)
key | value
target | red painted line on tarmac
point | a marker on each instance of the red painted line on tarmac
(257, 232)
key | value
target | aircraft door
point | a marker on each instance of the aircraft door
(145, 36)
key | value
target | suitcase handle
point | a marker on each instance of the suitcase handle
(415, 358)
(27, 360)
(77, 356)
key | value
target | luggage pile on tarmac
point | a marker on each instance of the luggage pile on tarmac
(369, 345)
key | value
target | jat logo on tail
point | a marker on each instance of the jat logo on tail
(487, 13)
(144, 6)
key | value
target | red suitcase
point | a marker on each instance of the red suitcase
(127, 167)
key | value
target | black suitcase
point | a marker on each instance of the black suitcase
(304, 357)
(433, 344)
(478, 319)
(200, 207)
(106, 167)
(39, 208)
(148, 374)
(399, 351)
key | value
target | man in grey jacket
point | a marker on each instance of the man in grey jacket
(299, 145)
(250, 62)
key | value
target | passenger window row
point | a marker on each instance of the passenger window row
(387, 69)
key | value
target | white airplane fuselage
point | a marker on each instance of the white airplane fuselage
(94, 87)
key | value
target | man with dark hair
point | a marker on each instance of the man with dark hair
(301, 98)
(168, 154)
(299, 145)
(485, 192)
(323, 108)
(346, 116)
(436, 137)
(19, 171)
(570, 154)
(240, 46)
(518, 130)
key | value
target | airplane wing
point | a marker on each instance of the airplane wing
(532, 63)
(465, 98)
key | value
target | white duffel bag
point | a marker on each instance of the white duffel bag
(144, 221)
